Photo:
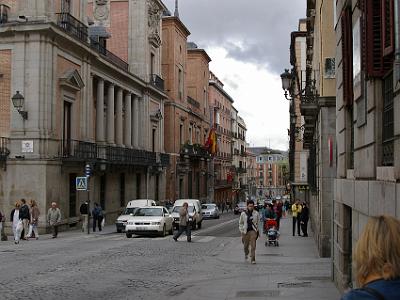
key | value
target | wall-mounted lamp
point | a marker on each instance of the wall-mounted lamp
(18, 101)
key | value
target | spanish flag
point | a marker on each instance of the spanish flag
(211, 144)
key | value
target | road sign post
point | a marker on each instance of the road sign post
(88, 173)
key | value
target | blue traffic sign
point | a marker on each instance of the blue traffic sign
(81, 183)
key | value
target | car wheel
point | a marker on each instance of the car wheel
(128, 235)
(199, 225)
(119, 230)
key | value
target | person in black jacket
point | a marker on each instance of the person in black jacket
(304, 217)
(25, 216)
(84, 210)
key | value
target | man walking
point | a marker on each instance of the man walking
(296, 211)
(25, 216)
(304, 217)
(54, 218)
(184, 224)
(84, 210)
(248, 227)
(97, 216)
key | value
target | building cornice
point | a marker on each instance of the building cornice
(221, 90)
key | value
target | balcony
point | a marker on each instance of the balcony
(80, 151)
(195, 152)
(4, 150)
(77, 29)
(193, 102)
(157, 81)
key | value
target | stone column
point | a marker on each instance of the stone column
(119, 121)
(110, 114)
(128, 120)
(135, 132)
(100, 111)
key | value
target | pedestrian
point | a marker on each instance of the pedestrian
(34, 220)
(54, 218)
(2, 220)
(16, 221)
(184, 224)
(24, 215)
(84, 210)
(223, 206)
(97, 216)
(377, 261)
(248, 227)
(296, 211)
(304, 217)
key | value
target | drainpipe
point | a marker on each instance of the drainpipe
(396, 42)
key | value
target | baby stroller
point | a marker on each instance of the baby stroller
(272, 233)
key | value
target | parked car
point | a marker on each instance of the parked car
(130, 209)
(150, 220)
(240, 207)
(195, 218)
(210, 210)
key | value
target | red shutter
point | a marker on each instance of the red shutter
(347, 56)
(378, 36)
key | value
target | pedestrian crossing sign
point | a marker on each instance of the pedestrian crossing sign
(81, 184)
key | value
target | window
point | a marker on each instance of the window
(347, 57)
(330, 67)
(190, 135)
(122, 190)
(388, 121)
(387, 26)
(181, 134)
(152, 63)
(153, 139)
(4, 9)
(66, 6)
(180, 84)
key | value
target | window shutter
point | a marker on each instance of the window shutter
(347, 57)
(378, 36)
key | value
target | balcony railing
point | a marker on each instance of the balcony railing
(195, 151)
(4, 148)
(79, 30)
(157, 81)
(193, 102)
(72, 150)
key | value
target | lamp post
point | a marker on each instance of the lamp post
(18, 101)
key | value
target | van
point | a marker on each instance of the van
(132, 205)
(195, 213)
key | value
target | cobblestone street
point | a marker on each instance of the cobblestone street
(110, 266)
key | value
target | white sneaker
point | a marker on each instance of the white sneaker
(253, 262)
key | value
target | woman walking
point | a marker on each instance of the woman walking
(17, 225)
(377, 261)
(34, 220)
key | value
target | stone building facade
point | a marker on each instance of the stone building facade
(187, 120)
(318, 110)
(85, 105)
(239, 162)
(221, 105)
(367, 123)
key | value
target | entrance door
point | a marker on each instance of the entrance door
(72, 195)
(67, 129)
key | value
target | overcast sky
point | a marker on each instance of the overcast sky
(248, 42)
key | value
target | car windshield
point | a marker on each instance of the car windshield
(208, 206)
(177, 208)
(149, 212)
(129, 210)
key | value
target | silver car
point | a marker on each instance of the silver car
(210, 211)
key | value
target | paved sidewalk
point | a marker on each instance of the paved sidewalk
(291, 271)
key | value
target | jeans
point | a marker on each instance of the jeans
(33, 228)
(97, 220)
(250, 239)
(186, 229)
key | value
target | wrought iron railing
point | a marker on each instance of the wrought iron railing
(4, 148)
(195, 151)
(79, 30)
(74, 150)
(157, 81)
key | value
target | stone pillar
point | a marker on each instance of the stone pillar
(119, 121)
(110, 114)
(100, 111)
(135, 132)
(128, 120)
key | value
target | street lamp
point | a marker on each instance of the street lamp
(18, 102)
(286, 80)
(307, 94)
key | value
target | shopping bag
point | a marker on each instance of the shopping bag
(103, 222)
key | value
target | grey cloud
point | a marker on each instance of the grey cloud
(262, 26)
(232, 84)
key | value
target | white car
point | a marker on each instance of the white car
(150, 220)
(130, 209)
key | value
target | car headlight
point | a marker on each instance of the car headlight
(155, 223)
